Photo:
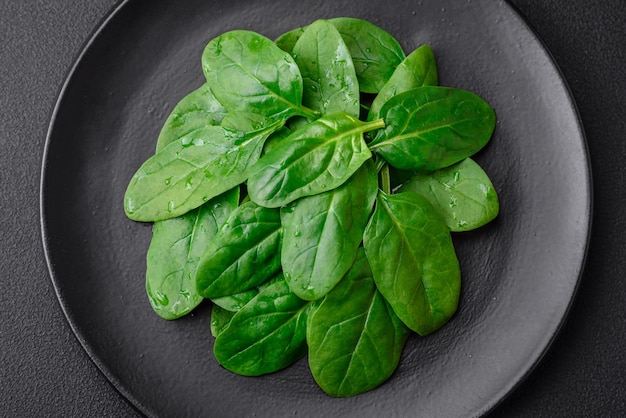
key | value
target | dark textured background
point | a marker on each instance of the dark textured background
(44, 370)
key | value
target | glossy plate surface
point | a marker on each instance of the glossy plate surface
(520, 273)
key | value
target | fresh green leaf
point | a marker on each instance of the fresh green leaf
(178, 243)
(266, 335)
(244, 254)
(374, 51)
(329, 77)
(176, 247)
(462, 193)
(412, 257)
(416, 70)
(220, 319)
(321, 234)
(198, 109)
(298, 122)
(248, 72)
(276, 139)
(314, 159)
(287, 41)
(428, 128)
(192, 170)
(237, 301)
(245, 122)
(355, 339)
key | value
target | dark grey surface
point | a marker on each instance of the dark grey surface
(44, 371)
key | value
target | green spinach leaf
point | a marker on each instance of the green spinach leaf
(248, 72)
(237, 301)
(430, 127)
(374, 51)
(266, 335)
(287, 41)
(220, 319)
(245, 122)
(321, 234)
(198, 109)
(176, 247)
(355, 339)
(192, 170)
(178, 243)
(243, 255)
(416, 70)
(462, 193)
(275, 139)
(329, 77)
(412, 257)
(314, 159)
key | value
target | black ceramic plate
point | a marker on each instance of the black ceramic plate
(519, 273)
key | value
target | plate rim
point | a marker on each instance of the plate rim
(508, 391)
(128, 397)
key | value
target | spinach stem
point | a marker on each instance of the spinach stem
(380, 163)
(310, 113)
(375, 124)
(385, 179)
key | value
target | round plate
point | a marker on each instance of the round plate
(520, 272)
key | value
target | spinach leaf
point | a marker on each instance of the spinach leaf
(416, 70)
(275, 139)
(178, 243)
(198, 109)
(192, 170)
(321, 233)
(462, 193)
(412, 257)
(316, 158)
(374, 51)
(176, 247)
(329, 77)
(287, 41)
(237, 301)
(220, 319)
(248, 72)
(298, 122)
(244, 254)
(245, 122)
(430, 127)
(354, 337)
(266, 335)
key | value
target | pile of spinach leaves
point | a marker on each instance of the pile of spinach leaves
(309, 189)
